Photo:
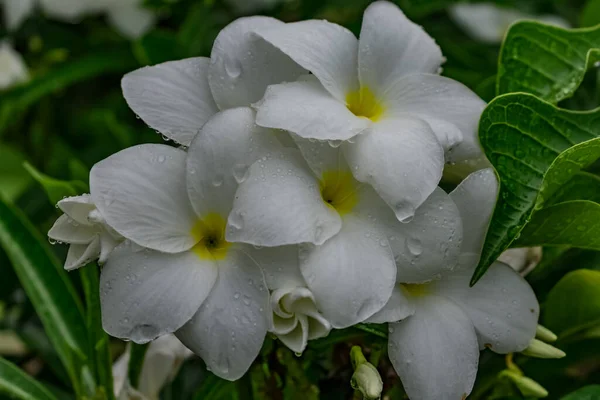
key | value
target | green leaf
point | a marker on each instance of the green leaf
(535, 148)
(582, 186)
(215, 388)
(14, 179)
(545, 60)
(590, 15)
(581, 311)
(136, 361)
(119, 59)
(591, 392)
(55, 188)
(97, 337)
(16, 384)
(48, 288)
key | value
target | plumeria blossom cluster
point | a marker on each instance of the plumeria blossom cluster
(303, 197)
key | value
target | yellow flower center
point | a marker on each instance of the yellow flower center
(338, 190)
(415, 289)
(209, 233)
(363, 103)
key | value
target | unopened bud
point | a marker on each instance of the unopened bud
(539, 349)
(545, 334)
(527, 386)
(366, 378)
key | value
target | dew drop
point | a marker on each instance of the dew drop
(161, 158)
(233, 68)
(240, 172)
(414, 246)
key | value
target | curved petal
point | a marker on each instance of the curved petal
(476, 198)
(230, 327)
(279, 265)
(219, 158)
(145, 294)
(501, 305)
(17, 11)
(352, 274)
(328, 50)
(396, 309)
(14, 69)
(173, 97)
(280, 203)
(132, 21)
(141, 193)
(242, 65)
(392, 46)
(306, 109)
(322, 156)
(66, 230)
(78, 208)
(82, 254)
(449, 107)
(401, 159)
(435, 351)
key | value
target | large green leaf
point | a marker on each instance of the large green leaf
(48, 288)
(545, 60)
(56, 189)
(535, 149)
(16, 384)
(591, 392)
(582, 186)
(574, 303)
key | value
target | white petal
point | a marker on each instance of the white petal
(280, 266)
(321, 156)
(78, 208)
(306, 109)
(481, 21)
(401, 159)
(328, 50)
(82, 254)
(242, 65)
(141, 193)
(435, 351)
(352, 274)
(392, 46)
(132, 21)
(396, 309)
(280, 203)
(108, 242)
(16, 11)
(501, 305)
(475, 198)
(297, 339)
(230, 327)
(174, 97)
(64, 10)
(145, 294)
(14, 69)
(220, 156)
(450, 108)
(68, 231)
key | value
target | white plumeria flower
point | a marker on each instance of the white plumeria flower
(189, 279)
(129, 17)
(84, 229)
(12, 67)
(382, 96)
(489, 22)
(296, 317)
(162, 362)
(350, 240)
(444, 323)
(176, 98)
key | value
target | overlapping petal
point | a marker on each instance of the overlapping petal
(146, 294)
(81, 254)
(141, 193)
(229, 328)
(66, 231)
(242, 65)
(398, 307)
(174, 97)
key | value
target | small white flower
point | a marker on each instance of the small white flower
(489, 22)
(176, 98)
(189, 279)
(161, 364)
(296, 318)
(350, 241)
(382, 96)
(84, 229)
(12, 67)
(444, 323)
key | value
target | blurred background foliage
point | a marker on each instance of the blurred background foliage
(71, 114)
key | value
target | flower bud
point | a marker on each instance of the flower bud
(544, 334)
(539, 349)
(527, 386)
(366, 378)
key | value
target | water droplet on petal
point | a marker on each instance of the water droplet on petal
(414, 246)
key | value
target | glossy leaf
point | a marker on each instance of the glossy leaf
(16, 384)
(545, 60)
(582, 186)
(582, 310)
(48, 288)
(535, 149)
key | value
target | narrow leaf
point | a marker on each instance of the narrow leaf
(16, 384)
(56, 189)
